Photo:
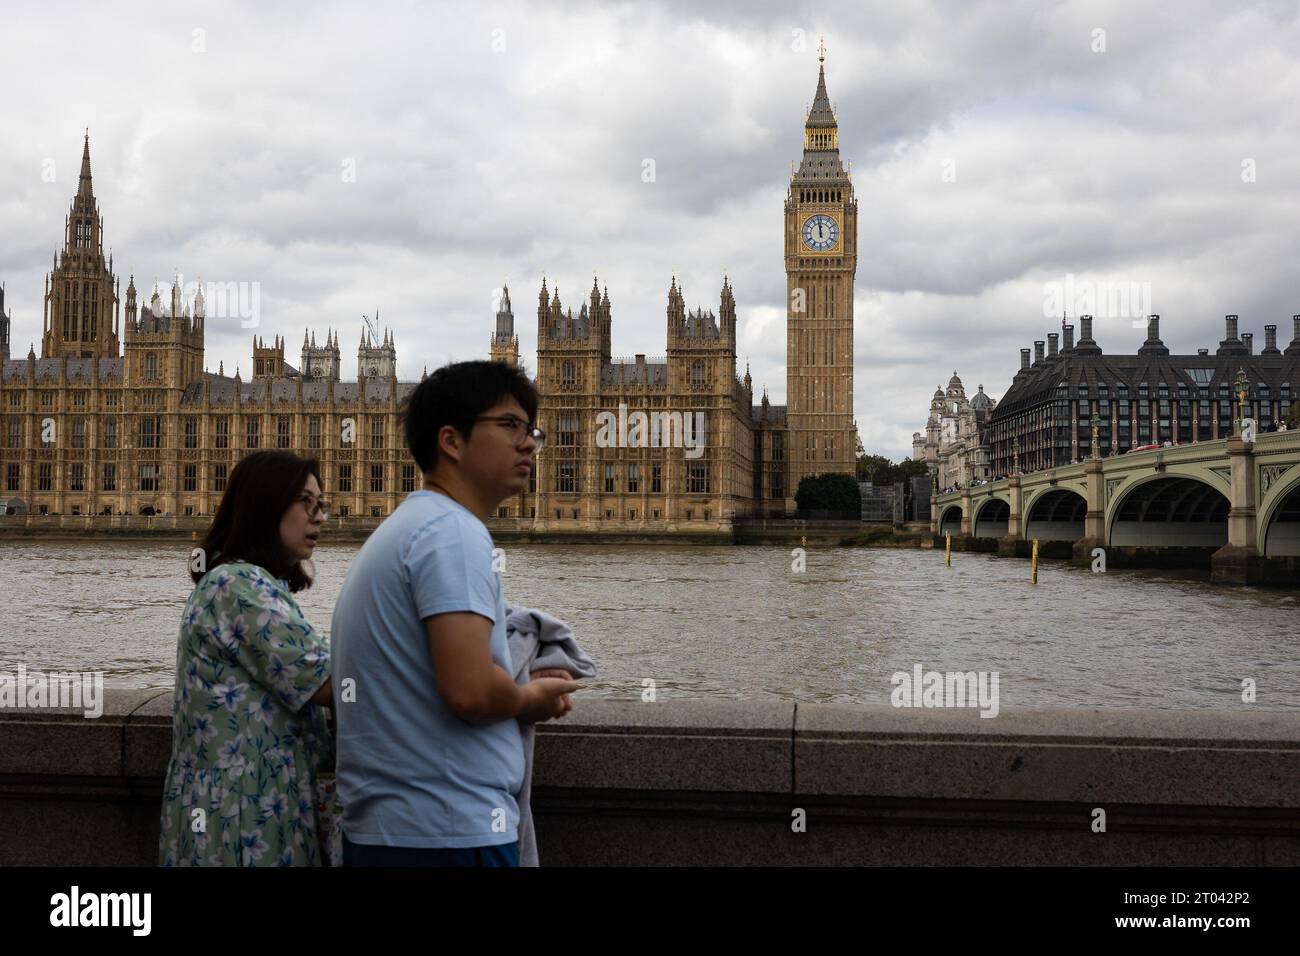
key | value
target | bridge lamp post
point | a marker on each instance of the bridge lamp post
(1096, 432)
(1015, 455)
(1241, 401)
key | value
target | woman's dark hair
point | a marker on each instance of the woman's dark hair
(456, 395)
(246, 527)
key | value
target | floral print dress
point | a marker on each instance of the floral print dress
(241, 787)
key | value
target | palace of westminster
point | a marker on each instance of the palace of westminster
(119, 414)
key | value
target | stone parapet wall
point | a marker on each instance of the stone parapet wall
(721, 782)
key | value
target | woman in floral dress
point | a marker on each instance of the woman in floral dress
(249, 731)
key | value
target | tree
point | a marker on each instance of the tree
(830, 491)
(879, 470)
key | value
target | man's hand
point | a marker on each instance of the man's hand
(545, 698)
(559, 672)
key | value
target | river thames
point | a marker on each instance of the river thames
(738, 623)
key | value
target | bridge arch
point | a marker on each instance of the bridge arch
(1169, 510)
(1279, 523)
(1056, 515)
(950, 520)
(991, 516)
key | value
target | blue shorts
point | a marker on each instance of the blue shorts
(365, 854)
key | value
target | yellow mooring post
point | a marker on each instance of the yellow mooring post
(1033, 564)
(947, 548)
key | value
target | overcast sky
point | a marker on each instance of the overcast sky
(411, 158)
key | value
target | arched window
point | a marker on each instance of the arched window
(151, 365)
(697, 373)
(568, 375)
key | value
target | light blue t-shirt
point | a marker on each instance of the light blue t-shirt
(410, 772)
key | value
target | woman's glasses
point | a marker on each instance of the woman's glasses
(315, 506)
(518, 428)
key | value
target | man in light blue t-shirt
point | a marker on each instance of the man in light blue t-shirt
(430, 759)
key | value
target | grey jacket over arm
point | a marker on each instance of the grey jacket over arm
(538, 641)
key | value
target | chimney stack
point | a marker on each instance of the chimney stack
(1294, 347)
(1270, 341)
(1085, 345)
(1052, 338)
(1231, 344)
(1024, 359)
(1153, 345)
(1248, 339)
(1038, 352)
(1069, 338)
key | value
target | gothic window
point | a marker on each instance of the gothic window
(148, 477)
(282, 426)
(376, 478)
(609, 478)
(408, 477)
(568, 431)
(191, 434)
(633, 478)
(697, 374)
(345, 480)
(697, 477)
(376, 433)
(313, 431)
(656, 479)
(78, 433)
(253, 433)
(191, 478)
(44, 477)
(223, 433)
(13, 477)
(567, 476)
(151, 365)
(568, 375)
(77, 480)
(150, 432)
(220, 471)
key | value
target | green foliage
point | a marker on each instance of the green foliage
(879, 470)
(829, 492)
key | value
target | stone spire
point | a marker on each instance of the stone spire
(821, 116)
(84, 187)
(821, 137)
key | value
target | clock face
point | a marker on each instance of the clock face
(820, 233)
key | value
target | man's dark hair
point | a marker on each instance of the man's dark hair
(455, 395)
(246, 527)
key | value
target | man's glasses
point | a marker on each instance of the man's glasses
(315, 506)
(518, 428)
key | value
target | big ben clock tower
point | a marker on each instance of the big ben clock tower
(821, 259)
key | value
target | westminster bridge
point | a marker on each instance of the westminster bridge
(1228, 504)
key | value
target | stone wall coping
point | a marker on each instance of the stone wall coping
(1246, 758)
